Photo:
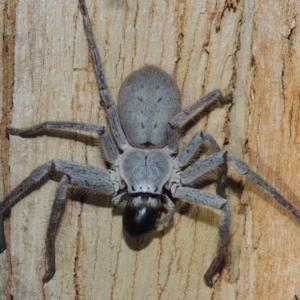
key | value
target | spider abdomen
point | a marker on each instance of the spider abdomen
(148, 99)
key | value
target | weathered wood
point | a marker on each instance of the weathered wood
(249, 48)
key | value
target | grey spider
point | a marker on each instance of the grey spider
(146, 170)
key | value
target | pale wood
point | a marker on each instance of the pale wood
(249, 48)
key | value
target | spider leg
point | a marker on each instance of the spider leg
(118, 201)
(243, 169)
(205, 198)
(78, 180)
(198, 197)
(199, 169)
(60, 200)
(219, 260)
(113, 117)
(212, 97)
(202, 167)
(213, 162)
(170, 208)
(190, 174)
(216, 160)
(84, 177)
(199, 139)
(3, 244)
(188, 152)
(109, 147)
(52, 169)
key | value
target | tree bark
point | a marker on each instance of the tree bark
(249, 48)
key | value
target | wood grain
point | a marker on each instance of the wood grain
(251, 49)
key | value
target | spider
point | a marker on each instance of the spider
(146, 169)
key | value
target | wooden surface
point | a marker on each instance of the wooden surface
(252, 49)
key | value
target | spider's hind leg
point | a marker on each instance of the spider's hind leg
(60, 200)
(218, 262)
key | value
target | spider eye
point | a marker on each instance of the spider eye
(138, 221)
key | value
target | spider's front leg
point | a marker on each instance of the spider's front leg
(83, 177)
(113, 117)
